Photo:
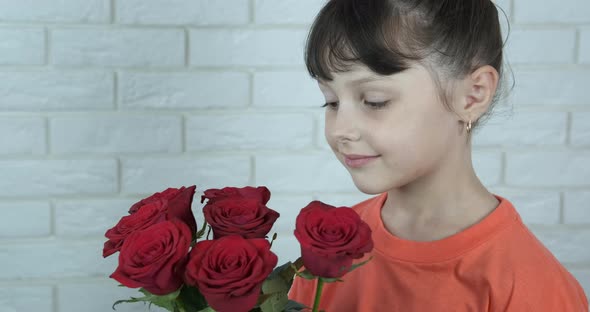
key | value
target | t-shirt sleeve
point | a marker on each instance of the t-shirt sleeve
(558, 292)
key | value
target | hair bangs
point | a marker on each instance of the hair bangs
(368, 36)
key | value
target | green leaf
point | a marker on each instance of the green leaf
(191, 299)
(331, 279)
(306, 275)
(354, 266)
(127, 301)
(276, 287)
(170, 296)
(274, 297)
(285, 271)
(294, 306)
(207, 309)
(167, 302)
(262, 298)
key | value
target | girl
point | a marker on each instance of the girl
(406, 83)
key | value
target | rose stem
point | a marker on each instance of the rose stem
(318, 295)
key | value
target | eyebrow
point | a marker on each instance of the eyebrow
(356, 81)
(365, 79)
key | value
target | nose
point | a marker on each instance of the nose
(343, 125)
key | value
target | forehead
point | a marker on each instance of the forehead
(358, 74)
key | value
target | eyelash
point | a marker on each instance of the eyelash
(375, 105)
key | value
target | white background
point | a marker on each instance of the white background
(105, 102)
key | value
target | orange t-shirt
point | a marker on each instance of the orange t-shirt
(494, 265)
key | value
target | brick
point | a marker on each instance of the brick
(286, 89)
(25, 219)
(565, 243)
(227, 47)
(117, 47)
(99, 296)
(184, 90)
(55, 90)
(22, 135)
(22, 46)
(286, 11)
(539, 46)
(580, 131)
(183, 12)
(248, 131)
(523, 128)
(552, 11)
(576, 207)
(487, 166)
(89, 218)
(303, 173)
(26, 298)
(69, 11)
(38, 178)
(534, 207)
(148, 175)
(61, 260)
(547, 168)
(288, 207)
(116, 134)
(584, 48)
(550, 87)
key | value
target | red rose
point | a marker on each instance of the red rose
(155, 257)
(261, 193)
(179, 204)
(247, 217)
(331, 238)
(150, 214)
(230, 271)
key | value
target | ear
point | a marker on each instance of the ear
(477, 93)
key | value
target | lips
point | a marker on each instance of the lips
(356, 161)
(355, 156)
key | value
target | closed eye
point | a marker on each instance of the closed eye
(377, 104)
(331, 104)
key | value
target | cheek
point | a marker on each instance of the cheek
(328, 135)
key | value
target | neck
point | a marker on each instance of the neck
(447, 199)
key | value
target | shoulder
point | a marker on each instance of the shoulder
(538, 281)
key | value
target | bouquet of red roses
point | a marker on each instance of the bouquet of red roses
(163, 253)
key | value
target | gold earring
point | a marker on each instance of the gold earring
(469, 127)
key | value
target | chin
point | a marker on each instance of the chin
(370, 189)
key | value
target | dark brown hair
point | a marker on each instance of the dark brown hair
(451, 38)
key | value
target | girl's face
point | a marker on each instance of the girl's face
(398, 120)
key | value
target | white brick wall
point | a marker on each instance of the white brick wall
(44, 89)
(103, 102)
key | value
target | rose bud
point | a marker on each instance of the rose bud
(150, 214)
(155, 258)
(247, 217)
(179, 201)
(229, 271)
(261, 193)
(331, 238)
